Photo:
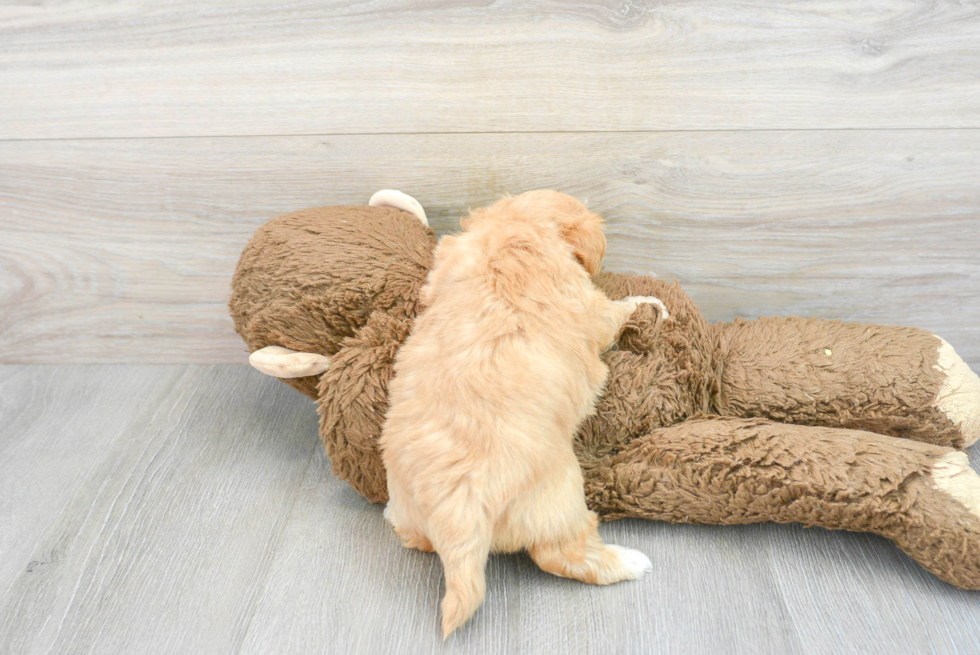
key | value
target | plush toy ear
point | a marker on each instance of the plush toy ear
(285, 363)
(399, 200)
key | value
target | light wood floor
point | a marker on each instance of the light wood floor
(774, 156)
(190, 509)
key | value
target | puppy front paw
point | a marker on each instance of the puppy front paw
(636, 301)
(640, 332)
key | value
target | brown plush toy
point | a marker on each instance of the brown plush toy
(845, 426)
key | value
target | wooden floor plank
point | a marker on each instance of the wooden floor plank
(350, 586)
(123, 250)
(858, 593)
(189, 69)
(190, 509)
(57, 426)
(166, 545)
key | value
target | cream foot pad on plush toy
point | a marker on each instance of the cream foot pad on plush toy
(953, 475)
(959, 397)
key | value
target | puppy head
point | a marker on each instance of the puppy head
(579, 227)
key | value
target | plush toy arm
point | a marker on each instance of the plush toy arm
(899, 381)
(728, 471)
(353, 401)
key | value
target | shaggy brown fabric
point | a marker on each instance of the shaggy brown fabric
(310, 279)
(814, 372)
(354, 400)
(664, 372)
(728, 470)
(697, 421)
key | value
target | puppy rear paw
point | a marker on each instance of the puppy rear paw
(633, 563)
(415, 540)
(410, 537)
(650, 300)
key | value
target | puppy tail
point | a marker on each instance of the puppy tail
(464, 565)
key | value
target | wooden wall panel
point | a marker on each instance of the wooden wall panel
(136, 69)
(122, 250)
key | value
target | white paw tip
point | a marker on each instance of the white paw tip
(282, 362)
(959, 397)
(650, 300)
(635, 563)
(399, 200)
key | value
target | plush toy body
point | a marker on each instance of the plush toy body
(841, 425)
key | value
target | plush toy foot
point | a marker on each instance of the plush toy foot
(953, 476)
(959, 397)
(282, 362)
(941, 529)
(399, 200)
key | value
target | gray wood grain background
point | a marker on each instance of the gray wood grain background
(122, 250)
(193, 69)
(786, 157)
(774, 157)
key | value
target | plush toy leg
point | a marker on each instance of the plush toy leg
(353, 400)
(959, 396)
(726, 471)
(898, 381)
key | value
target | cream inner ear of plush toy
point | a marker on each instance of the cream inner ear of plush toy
(285, 363)
(399, 200)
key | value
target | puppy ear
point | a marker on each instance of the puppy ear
(475, 215)
(578, 227)
(587, 241)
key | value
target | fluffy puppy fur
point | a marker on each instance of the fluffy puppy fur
(500, 369)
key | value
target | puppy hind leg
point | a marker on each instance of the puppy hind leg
(413, 538)
(406, 519)
(563, 538)
(584, 557)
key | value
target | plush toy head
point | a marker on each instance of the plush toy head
(311, 279)
(793, 420)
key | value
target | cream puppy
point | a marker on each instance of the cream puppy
(488, 392)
